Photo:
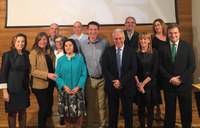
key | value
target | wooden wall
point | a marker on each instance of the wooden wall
(184, 18)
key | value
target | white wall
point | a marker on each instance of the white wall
(196, 37)
(66, 12)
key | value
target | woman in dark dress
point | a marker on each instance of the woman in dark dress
(159, 33)
(147, 59)
(15, 78)
(159, 38)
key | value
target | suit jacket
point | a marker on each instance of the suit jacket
(134, 40)
(129, 68)
(39, 70)
(15, 71)
(184, 65)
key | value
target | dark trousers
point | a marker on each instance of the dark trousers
(185, 105)
(113, 106)
(43, 102)
(148, 104)
(197, 99)
(50, 98)
(21, 118)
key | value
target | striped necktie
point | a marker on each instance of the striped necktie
(119, 64)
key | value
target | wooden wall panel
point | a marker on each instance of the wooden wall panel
(184, 17)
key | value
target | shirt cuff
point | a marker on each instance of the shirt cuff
(3, 85)
(170, 80)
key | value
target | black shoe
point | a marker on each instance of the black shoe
(49, 114)
(62, 121)
(122, 114)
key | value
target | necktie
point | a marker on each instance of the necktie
(119, 61)
(173, 52)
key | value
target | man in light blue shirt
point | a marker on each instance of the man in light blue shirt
(78, 35)
(93, 49)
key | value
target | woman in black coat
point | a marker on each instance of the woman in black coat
(158, 40)
(147, 67)
(15, 80)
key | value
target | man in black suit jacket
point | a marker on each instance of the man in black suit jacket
(131, 36)
(177, 78)
(119, 84)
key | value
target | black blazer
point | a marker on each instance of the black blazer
(134, 40)
(129, 68)
(15, 73)
(184, 65)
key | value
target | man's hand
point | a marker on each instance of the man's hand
(175, 80)
(117, 84)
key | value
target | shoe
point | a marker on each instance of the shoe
(49, 114)
(122, 114)
(62, 121)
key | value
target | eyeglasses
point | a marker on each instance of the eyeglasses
(58, 41)
(130, 22)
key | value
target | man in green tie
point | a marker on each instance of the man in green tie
(173, 47)
(177, 67)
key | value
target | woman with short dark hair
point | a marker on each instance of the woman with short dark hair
(15, 79)
(72, 74)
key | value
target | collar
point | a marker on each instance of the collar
(177, 42)
(128, 33)
(79, 36)
(122, 48)
(50, 39)
(72, 57)
(97, 40)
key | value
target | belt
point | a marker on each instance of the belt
(96, 77)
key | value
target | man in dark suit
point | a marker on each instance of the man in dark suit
(119, 74)
(131, 36)
(177, 67)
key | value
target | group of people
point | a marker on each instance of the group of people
(84, 67)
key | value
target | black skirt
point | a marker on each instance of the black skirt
(149, 97)
(18, 101)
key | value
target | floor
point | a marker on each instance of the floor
(54, 121)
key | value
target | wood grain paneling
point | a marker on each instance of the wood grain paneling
(184, 18)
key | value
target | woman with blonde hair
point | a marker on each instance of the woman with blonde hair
(147, 65)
